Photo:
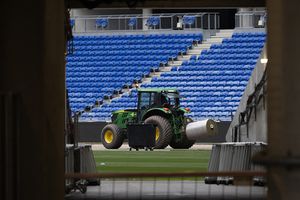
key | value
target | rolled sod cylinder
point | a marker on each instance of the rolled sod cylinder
(202, 129)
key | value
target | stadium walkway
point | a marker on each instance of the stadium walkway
(135, 189)
(98, 147)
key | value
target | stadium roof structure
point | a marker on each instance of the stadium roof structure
(160, 4)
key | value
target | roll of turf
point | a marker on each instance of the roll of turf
(201, 129)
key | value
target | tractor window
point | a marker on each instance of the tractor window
(173, 99)
(164, 100)
(145, 100)
(153, 98)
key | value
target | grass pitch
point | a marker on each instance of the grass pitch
(112, 161)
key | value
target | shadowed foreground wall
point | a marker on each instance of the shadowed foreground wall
(283, 98)
(32, 66)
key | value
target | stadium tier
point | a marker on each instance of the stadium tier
(211, 84)
(101, 64)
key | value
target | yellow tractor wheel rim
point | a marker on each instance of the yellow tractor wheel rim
(108, 136)
(157, 133)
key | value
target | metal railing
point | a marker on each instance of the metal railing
(251, 19)
(171, 186)
(102, 23)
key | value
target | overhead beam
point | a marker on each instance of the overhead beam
(170, 4)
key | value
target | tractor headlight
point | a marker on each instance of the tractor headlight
(187, 109)
(166, 109)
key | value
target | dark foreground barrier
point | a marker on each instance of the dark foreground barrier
(170, 186)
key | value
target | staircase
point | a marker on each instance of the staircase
(196, 49)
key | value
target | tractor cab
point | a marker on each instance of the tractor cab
(156, 99)
(170, 99)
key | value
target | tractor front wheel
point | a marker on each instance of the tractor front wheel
(183, 143)
(163, 131)
(111, 137)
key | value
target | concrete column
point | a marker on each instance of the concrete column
(283, 98)
(246, 20)
(32, 65)
(245, 9)
(146, 12)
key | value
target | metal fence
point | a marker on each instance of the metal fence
(235, 157)
(170, 186)
(79, 159)
(102, 23)
(251, 19)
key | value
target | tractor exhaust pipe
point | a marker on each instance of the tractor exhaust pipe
(201, 130)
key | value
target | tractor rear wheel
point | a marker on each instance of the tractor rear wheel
(111, 137)
(163, 131)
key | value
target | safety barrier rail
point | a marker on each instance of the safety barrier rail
(102, 23)
(172, 186)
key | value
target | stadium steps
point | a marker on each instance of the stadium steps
(224, 33)
(198, 48)
(175, 63)
(165, 68)
(184, 57)
(216, 39)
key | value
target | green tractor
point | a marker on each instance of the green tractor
(157, 106)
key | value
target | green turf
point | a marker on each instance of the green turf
(151, 161)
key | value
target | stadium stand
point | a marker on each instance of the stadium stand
(214, 83)
(102, 64)
(211, 84)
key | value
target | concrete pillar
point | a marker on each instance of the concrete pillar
(146, 12)
(283, 98)
(245, 20)
(32, 65)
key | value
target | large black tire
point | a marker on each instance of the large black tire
(164, 128)
(112, 137)
(184, 143)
